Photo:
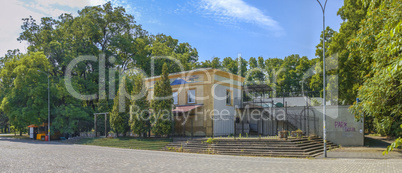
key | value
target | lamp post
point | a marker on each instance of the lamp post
(324, 136)
(48, 104)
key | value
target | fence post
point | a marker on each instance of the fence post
(262, 123)
(105, 125)
(234, 126)
(184, 129)
(308, 120)
(149, 128)
(286, 116)
(172, 125)
(242, 127)
(192, 130)
(95, 124)
(272, 118)
(300, 123)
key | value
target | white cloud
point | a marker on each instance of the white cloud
(69, 3)
(14, 10)
(54, 8)
(234, 11)
(11, 15)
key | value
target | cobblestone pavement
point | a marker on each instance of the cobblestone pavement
(38, 156)
(363, 152)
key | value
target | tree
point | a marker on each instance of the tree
(235, 66)
(378, 43)
(98, 30)
(256, 71)
(317, 79)
(216, 63)
(162, 104)
(165, 46)
(290, 75)
(351, 70)
(204, 64)
(25, 90)
(119, 120)
(230, 65)
(139, 113)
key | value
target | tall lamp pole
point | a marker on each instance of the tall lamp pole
(323, 81)
(48, 104)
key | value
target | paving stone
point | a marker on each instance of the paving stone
(37, 156)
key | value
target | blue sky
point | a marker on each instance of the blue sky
(217, 28)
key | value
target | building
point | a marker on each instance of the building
(204, 101)
(212, 102)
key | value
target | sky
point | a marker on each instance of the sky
(217, 28)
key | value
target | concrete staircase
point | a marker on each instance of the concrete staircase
(300, 148)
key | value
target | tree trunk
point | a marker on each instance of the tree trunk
(20, 133)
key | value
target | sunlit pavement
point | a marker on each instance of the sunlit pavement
(29, 156)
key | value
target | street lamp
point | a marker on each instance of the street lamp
(48, 103)
(323, 81)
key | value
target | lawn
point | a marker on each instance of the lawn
(12, 135)
(126, 142)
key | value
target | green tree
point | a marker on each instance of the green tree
(230, 65)
(290, 75)
(216, 63)
(378, 42)
(272, 67)
(98, 30)
(235, 66)
(256, 71)
(351, 70)
(316, 81)
(162, 104)
(25, 90)
(139, 115)
(119, 120)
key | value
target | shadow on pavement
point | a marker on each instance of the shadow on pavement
(373, 148)
(31, 141)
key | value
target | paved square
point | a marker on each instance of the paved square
(37, 156)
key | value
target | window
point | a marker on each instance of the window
(175, 98)
(191, 96)
(228, 97)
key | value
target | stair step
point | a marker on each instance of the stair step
(293, 147)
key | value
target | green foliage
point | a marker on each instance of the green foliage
(315, 102)
(139, 115)
(396, 144)
(94, 31)
(233, 66)
(210, 141)
(256, 72)
(162, 105)
(25, 89)
(119, 119)
(378, 46)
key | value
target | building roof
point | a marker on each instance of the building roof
(178, 81)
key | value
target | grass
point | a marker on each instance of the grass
(374, 134)
(24, 136)
(126, 142)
